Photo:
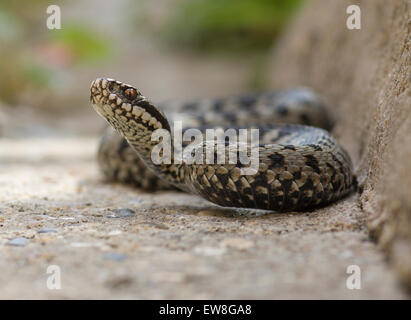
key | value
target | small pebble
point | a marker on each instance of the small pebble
(114, 256)
(18, 242)
(47, 230)
(122, 213)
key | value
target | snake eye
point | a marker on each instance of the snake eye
(130, 93)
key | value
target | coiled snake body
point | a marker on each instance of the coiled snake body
(300, 166)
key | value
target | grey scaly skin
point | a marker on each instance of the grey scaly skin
(300, 167)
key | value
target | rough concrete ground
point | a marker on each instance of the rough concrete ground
(168, 244)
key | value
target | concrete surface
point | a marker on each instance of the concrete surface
(168, 244)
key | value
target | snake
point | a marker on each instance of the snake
(300, 165)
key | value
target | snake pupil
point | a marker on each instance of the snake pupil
(130, 93)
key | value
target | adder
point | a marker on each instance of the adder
(300, 165)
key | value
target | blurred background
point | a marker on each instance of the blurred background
(170, 49)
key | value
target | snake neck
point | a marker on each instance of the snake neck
(142, 124)
(157, 154)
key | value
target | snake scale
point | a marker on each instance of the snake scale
(300, 165)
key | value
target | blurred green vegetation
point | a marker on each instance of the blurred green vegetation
(37, 64)
(86, 45)
(33, 59)
(245, 28)
(229, 25)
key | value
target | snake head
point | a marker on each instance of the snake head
(107, 95)
(124, 107)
